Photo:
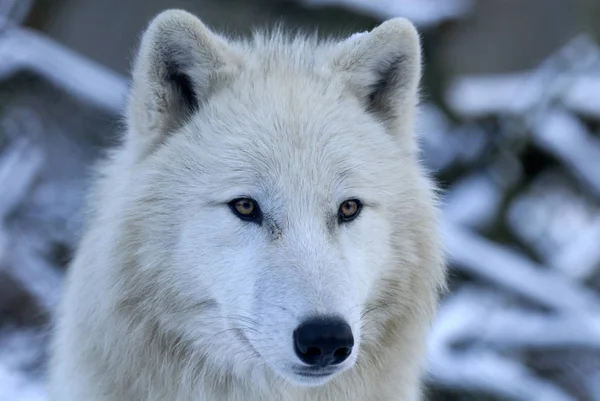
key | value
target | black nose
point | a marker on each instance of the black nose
(323, 341)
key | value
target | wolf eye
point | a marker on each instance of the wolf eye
(349, 209)
(246, 209)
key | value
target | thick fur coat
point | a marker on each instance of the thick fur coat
(176, 295)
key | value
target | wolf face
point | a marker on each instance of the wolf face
(268, 180)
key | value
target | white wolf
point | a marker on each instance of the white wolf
(264, 232)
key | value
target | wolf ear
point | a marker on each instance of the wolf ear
(383, 68)
(179, 64)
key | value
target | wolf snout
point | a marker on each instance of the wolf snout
(323, 341)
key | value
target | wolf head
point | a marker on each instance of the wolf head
(278, 216)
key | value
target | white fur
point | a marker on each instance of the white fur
(172, 297)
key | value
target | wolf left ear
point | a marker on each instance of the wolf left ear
(179, 64)
(383, 68)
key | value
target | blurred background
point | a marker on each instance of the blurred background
(510, 125)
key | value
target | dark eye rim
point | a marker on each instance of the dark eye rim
(345, 219)
(255, 216)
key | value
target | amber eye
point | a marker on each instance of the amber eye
(246, 209)
(349, 209)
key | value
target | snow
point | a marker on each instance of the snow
(559, 223)
(474, 201)
(511, 306)
(580, 259)
(443, 145)
(565, 136)
(18, 382)
(508, 269)
(424, 13)
(19, 387)
(583, 97)
(466, 315)
(562, 76)
(22, 49)
(484, 95)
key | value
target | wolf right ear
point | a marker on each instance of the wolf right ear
(383, 68)
(180, 62)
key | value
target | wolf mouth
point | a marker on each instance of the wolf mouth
(315, 372)
(315, 375)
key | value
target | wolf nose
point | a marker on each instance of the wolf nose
(323, 341)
